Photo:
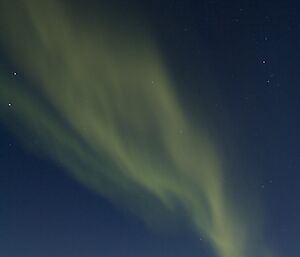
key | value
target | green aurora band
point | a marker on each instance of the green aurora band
(101, 103)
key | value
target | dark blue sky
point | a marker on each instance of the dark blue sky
(252, 57)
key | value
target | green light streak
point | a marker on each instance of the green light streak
(102, 103)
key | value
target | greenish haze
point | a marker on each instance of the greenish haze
(101, 103)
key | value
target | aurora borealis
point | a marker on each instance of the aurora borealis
(100, 99)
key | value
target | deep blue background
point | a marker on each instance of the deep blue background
(250, 52)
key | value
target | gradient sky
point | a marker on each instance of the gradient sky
(234, 71)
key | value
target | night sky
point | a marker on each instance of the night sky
(149, 128)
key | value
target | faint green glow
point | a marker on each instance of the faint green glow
(102, 103)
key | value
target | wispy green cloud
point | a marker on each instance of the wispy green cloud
(101, 102)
